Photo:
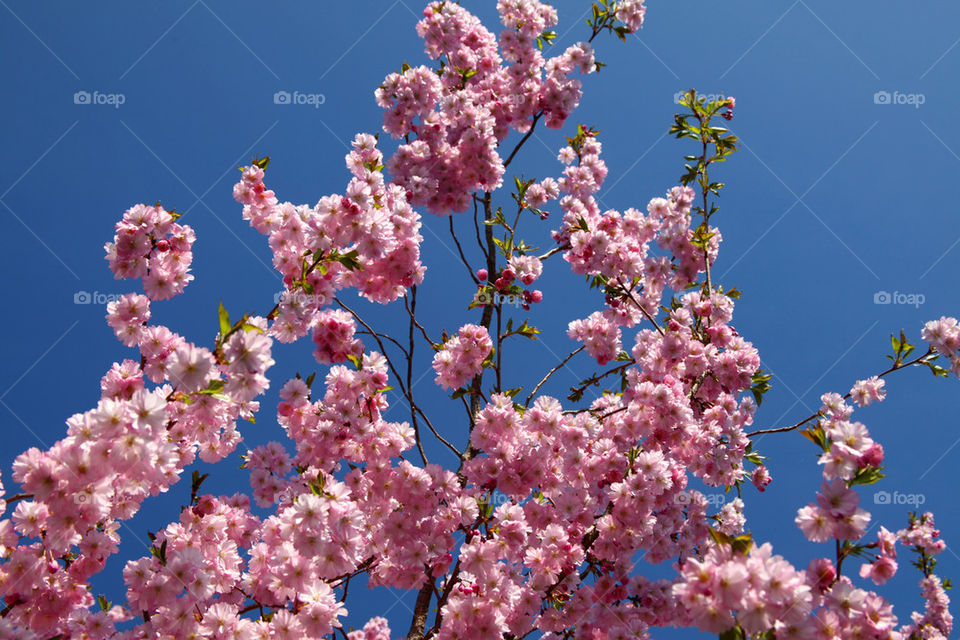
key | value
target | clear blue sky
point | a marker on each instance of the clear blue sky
(834, 198)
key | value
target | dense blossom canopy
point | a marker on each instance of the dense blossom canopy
(540, 528)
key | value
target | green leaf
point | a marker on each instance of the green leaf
(527, 331)
(224, 321)
(309, 380)
(247, 328)
(513, 392)
(866, 475)
(262, 162)
(161, 553)
(196, 481)
(936, 369)
(761, 384)
(736, 633)
(104, 603)
(213, 389)
(817, 436)
(350, 260)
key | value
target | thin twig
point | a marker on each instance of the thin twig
(640, 306)
(385, 337)
(553, 251)
(376, 337)
(413, 405)
(597, 378)
(416, 323)
(463, 258)
(895, 367)
(533, 125)
(439, 437)
(476, 223)
(550, 373)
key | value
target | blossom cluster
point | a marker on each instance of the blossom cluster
(462, 356)
(333, 333)
(836, 513)
(368, 239)
(944, 336)
(599, 334)
(458, 115)
(764, 590)
(541, 528)
(150, 245)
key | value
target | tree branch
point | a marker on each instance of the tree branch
(529, 133)
(895, 367)
(463, 258)
(550, 373)
(421, 609)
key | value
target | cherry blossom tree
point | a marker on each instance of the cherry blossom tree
(538, 529)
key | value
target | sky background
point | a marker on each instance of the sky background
(838, 194)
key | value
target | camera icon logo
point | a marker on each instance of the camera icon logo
(483, 298)
(882, 297)
(881, 97)
(281, 97)
(81, 97)
(881, 497)
(82, 297)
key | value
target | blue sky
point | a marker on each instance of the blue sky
(840, 192)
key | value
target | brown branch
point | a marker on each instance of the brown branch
(629, 293)
(896, 367)
(413, 319)
(439, 437)
(404, 389)
(421, 609)
(463, 258)
(553, 251)
(533, 125)
(597, 378)
(413, 405)
(550, 373)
